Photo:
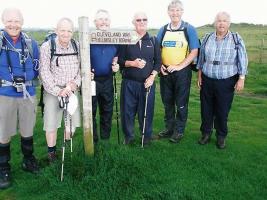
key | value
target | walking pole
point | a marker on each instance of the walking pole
(64, 136)
(116, 105)
(71, 134)
(144, 123)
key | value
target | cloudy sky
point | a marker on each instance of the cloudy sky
(44, 14)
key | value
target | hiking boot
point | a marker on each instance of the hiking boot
(52, 157)
(128, 141)
(30, 165)
(220, 143)
(176, 137)
(4, 179)
(205, 139)
(165, 134)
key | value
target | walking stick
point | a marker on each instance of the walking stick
(144, 123)
(64, 135)
(116, 105)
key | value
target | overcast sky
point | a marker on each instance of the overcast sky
(45, 13)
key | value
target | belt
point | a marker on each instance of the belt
(215, 62)
(4, 83)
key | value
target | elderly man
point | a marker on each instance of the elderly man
(18, 68)
(140, 65)
(179, 44)
(104, 64)
(60, 77)
(222, 69)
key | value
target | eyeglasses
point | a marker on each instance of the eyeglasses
(139, 20)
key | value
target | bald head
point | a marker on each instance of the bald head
(13, 21)
(64, 31)
(65, 22)
(12, 14)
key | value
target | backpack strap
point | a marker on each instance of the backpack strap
(52, 45)
(163, 34)
(204, 42)
(237, 43)
(74, 45)
(28, 42)
(1, 40)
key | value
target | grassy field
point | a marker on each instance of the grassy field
(163, 170)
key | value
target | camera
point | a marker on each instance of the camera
(18, 83)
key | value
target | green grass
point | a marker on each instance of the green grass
(163, 170)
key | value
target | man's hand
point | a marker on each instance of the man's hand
(149, 81)
(65, 92)
(163, 70)
(72, 85)
(173, 68)
(239, 86)
(139, 63)
(199, 79)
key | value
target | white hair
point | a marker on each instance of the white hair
(100, 12)
(136, 14)
(176, 4)
(67, 20)
(10, 10)
(222, 13)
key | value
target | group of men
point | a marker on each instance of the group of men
(222, 67)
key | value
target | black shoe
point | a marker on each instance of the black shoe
(128, 141)
(205, 139)
(176, 137)
(5, 181)
(220, 143)
(30, 165)
(165, 134)
(52, 157)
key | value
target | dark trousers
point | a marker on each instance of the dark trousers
(175, 90)
(133, 97)
(216, 98)
(104, 100)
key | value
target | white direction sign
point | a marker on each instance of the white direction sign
(113, 36)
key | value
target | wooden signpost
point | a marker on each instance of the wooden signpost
(86, 38)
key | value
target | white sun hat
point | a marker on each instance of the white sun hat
(72, 104)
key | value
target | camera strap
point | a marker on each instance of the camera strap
(21, 58)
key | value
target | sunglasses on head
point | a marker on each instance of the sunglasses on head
(139, 20)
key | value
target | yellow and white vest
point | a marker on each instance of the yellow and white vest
(174, 47)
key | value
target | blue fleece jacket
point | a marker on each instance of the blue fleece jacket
(31, 65)
(101, 58)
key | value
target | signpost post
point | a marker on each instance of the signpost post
(86, 38)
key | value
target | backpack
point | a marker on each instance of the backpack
(27, 39)
(52, 43)
(51, 38)
(236, 41)
(194, 62)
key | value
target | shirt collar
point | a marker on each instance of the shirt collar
(60, 46)
(10, 39)
(179, 28)
(227, 34)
